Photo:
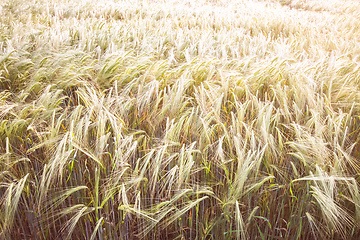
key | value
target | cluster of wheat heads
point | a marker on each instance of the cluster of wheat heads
(176, 119)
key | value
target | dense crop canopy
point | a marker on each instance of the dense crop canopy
(208, 119)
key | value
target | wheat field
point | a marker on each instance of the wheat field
(179, 119)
